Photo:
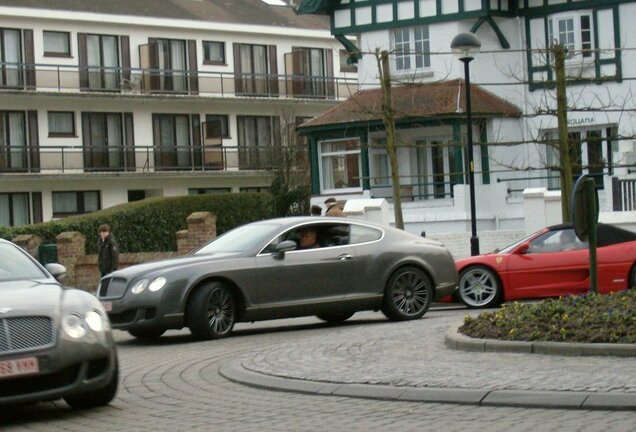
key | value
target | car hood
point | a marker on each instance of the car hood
(29, 297)
(167, 264)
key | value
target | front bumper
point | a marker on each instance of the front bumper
(66, 369)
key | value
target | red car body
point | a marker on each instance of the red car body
(548, 263)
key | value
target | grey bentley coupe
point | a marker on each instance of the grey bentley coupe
(55, 342)
(281, 268)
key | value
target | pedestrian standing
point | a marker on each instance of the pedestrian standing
(333, 208)
(107, 251)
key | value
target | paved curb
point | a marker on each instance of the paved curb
(458, 341)
(234, 371)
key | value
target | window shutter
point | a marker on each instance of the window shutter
(129, 141)
(195, 121)
(193, 67)
(86, 139)
(34, 142)
(36, 206)
(273, 70)
(156, 140)
(331, 87)
(153, 53)
(82, 55)
(29, 59)
(124, 47)
(238, 71)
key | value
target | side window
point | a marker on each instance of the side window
(556, 241)
(362, 234)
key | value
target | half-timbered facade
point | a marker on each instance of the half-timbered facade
(512, 152)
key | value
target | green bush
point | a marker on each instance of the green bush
(593, 318)
(150, 225)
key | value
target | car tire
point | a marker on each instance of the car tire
(335, 317)
(211, 311)
(149, 333)
(479, 287)
(95, 398)
(408, 294)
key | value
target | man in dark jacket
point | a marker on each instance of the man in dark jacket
(108, 254)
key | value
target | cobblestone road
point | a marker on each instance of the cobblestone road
(174, 384)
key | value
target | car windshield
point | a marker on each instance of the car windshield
(15, 265)
(509, 249)
(241, 239)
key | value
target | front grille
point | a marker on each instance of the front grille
(112, 288)
(24, 333)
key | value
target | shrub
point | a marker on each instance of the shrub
(592, 318)
(150, 225)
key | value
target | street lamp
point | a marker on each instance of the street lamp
(465, 47)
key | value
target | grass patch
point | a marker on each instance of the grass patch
(593, 318)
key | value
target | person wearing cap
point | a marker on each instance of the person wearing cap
(333, 209)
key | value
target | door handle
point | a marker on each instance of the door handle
(345, 257)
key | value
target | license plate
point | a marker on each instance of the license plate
(108, 306)
(24, 366)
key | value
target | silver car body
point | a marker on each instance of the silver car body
(346, 277)
(39, 360)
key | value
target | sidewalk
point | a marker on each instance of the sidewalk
(370, 357)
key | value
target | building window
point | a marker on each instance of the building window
(57, 44)
(172, 140)
(72, 203)
(257, 138)
(345, 64)
(591, 153)
(340, 165)
(312, 71)
(209, 191)
(103, 141)
(215, 123)
(61, 123)
(412, 48)
(255, 189)
(255, 69)
(102, 61)
(11, 58)
(574, 33)
(213, 53)
(171, 56)
(14, 209)
(13, 142)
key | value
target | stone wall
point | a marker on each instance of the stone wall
(82, 270)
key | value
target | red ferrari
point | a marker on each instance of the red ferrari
(549, 263)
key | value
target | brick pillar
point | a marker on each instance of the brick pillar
(70, 246)
(183, 242)
(30, 243)
(201, 229)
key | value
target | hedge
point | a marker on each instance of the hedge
(150, 225)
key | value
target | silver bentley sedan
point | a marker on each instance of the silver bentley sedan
(55, 342)
(281, 268)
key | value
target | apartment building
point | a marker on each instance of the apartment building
(104, 102)
(513, 106)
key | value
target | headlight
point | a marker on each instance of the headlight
(95, 321)
(157, 284)
(74, 326)
(139, 286)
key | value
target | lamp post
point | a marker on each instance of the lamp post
(465, 47)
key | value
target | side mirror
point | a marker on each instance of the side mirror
(285, 246)
(56, 270)
(523, 248)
